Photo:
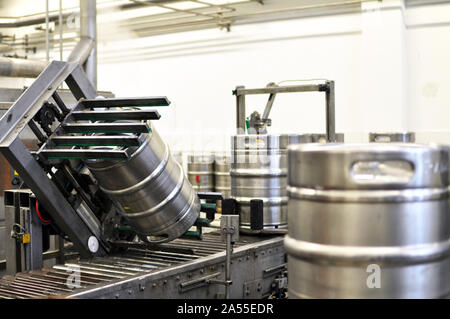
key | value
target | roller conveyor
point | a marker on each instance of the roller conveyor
(177, 268)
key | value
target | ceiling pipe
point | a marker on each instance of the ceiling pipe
(88, 31)
(21, 67)
(85, 52)
(81, 51)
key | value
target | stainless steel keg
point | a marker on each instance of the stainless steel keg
(368, 221)
(150, 190)
(406, 137)
(200, 171)
(259, 171)
(222, 177)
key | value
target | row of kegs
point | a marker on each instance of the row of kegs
(256, 168)
(362, 220)
(208, 172)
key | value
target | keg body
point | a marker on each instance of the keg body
(222, 177)
(368, 221)
(150, 190)
(259, 171)
(200, 171)
(404, 137)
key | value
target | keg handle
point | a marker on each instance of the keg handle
(374, 172)
(384, 138)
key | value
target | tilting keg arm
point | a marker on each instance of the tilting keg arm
(57, 164)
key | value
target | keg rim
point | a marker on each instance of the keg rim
(363, 165)
(367, 195)
(199, 158)
(352, 255)
(97, 164)
(342, 148)
(271, 141)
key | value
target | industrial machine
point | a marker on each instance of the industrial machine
(105, 181)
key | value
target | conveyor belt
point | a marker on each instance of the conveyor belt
(54, 281)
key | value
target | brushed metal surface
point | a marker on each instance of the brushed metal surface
(339, 224)
(259, 171)
(200, 171)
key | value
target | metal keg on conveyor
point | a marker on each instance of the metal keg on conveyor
(374, 224)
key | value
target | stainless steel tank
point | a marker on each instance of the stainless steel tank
(222, 177)
(150, 190)
(200, 171)
(259, 171)
(405, 137)
(368, 221)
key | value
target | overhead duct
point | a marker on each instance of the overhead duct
(21, 67)
(81, 51)
(85, 52)
(88, 31)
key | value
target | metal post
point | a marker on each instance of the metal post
(240, 111)
(12, 251)
(34, 249)
(88, 29)
(331, 129)
(60, 21)
(229, 225)
(47, 35)
(229, 251)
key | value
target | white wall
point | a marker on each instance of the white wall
(199, 78)
(429, 69)
(390, 65)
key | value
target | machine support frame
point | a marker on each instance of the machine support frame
(15, 120)
(327, 87)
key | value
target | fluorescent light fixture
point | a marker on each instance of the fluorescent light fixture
(223, 2)
(185, 5)
(66, 35)
(132, 13)
(110, 3)
(7, 20)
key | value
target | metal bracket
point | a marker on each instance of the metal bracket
(273, 270)
(253, 289)
(14, 121)
(198, 282)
